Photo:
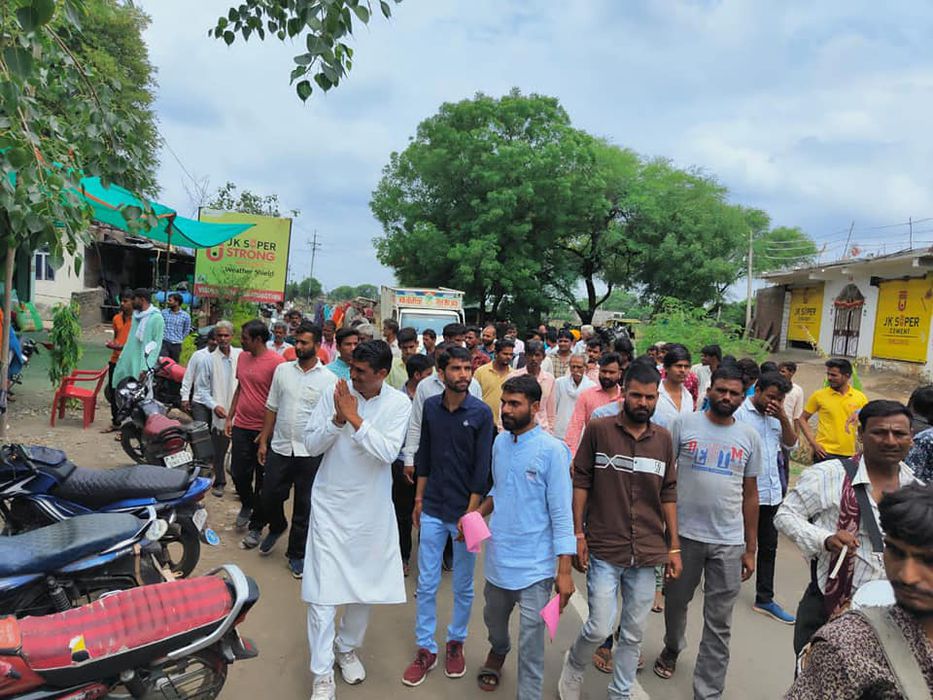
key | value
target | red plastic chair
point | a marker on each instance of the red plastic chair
(88, 398)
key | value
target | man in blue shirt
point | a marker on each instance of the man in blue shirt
(764, 411)
(452, 466)
(532, 526)
(177, 327)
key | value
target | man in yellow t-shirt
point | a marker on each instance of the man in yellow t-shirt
(836, 407)
(493, 374)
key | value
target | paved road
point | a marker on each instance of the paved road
(761, 666)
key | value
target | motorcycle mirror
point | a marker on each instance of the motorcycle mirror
(150, 346)
(873, 594)
(156, 530)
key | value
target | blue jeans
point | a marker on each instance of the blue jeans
(604, 582)
(499, 605)
(430, 553)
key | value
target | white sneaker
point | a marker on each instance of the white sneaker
(351, 668)
(324, 688)
(570, 685)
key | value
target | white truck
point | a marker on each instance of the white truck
(421, 308)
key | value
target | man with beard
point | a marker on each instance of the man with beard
(488, 338)
(491, 376)
(610, 373)
(831, 514)
(560, 356)
(296, 388)
(835, 406)
(532, 528)
(147, 326)
(718, 463)
(352, 556)
(534, 356)
(625, 520)
(883, 652)
(177, 326)
(473, 344)
(452, 466)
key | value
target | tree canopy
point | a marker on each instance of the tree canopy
(308, 288)
(345, 292)
(227, 198)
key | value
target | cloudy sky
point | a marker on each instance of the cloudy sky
(818, 113)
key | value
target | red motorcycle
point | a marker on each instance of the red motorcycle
(165, 641)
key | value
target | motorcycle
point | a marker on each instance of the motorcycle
(148, 435)
(167, 380)
(39, 485)
(171, 641)
(69, 563)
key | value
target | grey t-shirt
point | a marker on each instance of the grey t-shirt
(712, 461)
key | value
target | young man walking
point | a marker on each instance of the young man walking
(561, 355)
(534, 356)
(532, 537)
(836, 407)
(147, 326)
(408, 346)
(254, 372)
(352, 557)
(347, 339)
(214, 387)
(452, 466)
(296, 388)
(474, 345)
(329, 344)
(674, 399)
(718, 462)
(177, 326)
(491, 376)
(610, 372)
(625, 520)
(764, 412)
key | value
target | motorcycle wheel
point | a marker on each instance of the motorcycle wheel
(132, 441)
(200, 676)
(181, 547)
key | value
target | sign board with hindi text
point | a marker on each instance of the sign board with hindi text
(254, 262)
(806, 313)
(902, 323)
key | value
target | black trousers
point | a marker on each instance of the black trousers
(111, 394)
(220, 443)
(247, 473)
(283, 473)
(811, 615)
(767, 552)
(403, 498)
(172, 350)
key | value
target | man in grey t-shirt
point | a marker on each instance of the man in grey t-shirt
(718, 461)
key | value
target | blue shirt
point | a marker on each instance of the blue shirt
(340, 368)
(454, 454)
(177, 325)
(770, 492)
(532, 517)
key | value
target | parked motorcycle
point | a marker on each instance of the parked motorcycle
(167, 380)
(39, 485)
(149, 436)
(168, 641)
(73, 562)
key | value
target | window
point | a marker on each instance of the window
(44, 269)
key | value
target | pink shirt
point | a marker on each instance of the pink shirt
(547, 412)
(254, 375)
(330, 349)
(588, 401)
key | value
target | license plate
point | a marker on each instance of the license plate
(179, 459)
(199, 518)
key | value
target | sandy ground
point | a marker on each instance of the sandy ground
(762, 659)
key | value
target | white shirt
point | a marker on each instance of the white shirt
(565, 394)
(666, 411)
(704, 375)
(428, 387)
(194, 368)
(810, 514)
(794, 401)
(293, 395)
(280, 349)
(352, 552)
(770, 431)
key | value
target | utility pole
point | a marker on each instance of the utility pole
(748, 301)
(315, 246)
(910, 223)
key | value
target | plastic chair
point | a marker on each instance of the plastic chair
(88, 398)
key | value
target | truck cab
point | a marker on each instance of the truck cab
(422, 308)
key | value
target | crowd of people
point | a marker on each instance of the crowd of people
(647, 473)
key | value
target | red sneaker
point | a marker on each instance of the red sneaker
(454, 664)
(418, 669)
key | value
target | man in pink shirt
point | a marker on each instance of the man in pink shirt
(610, 371)
(254, 371)
(329, 344)
(534, 356)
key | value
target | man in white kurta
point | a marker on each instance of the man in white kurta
(352, 556)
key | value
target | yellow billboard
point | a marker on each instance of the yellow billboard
(806, 314)
(902, 324)
(254, 263)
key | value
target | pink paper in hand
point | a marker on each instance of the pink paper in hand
(550, 613)
(474, 531)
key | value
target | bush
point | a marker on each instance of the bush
(65, 338)
(679, 322)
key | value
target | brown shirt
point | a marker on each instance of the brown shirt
(628, 480)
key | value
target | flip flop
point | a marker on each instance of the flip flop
(487, 678)
(665, 664)
(602, 659)
(657, 608)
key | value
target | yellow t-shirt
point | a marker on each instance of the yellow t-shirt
(833, 411)
(491, 383)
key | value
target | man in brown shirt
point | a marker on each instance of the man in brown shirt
(625, 482)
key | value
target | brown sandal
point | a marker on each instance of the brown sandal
(488, 676)
(665, 664)
(602, 659)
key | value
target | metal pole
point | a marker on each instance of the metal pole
(168, 261)
(748, 300)
(314, 246)
(910, 223)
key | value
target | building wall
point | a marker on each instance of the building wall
(48, 293)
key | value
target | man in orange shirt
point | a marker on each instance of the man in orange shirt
(121, 331)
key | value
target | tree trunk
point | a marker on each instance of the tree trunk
(7, 325)
(586, 315)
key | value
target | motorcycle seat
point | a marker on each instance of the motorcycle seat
(51, 547)
(97, 488)
(158, 422)
(123, 630)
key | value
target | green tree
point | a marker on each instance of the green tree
(324, 24)
(782, 247)
(345, 292)
(478, 197)
(227, 198)
(308, 288)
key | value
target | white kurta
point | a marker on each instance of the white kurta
(352, 554)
